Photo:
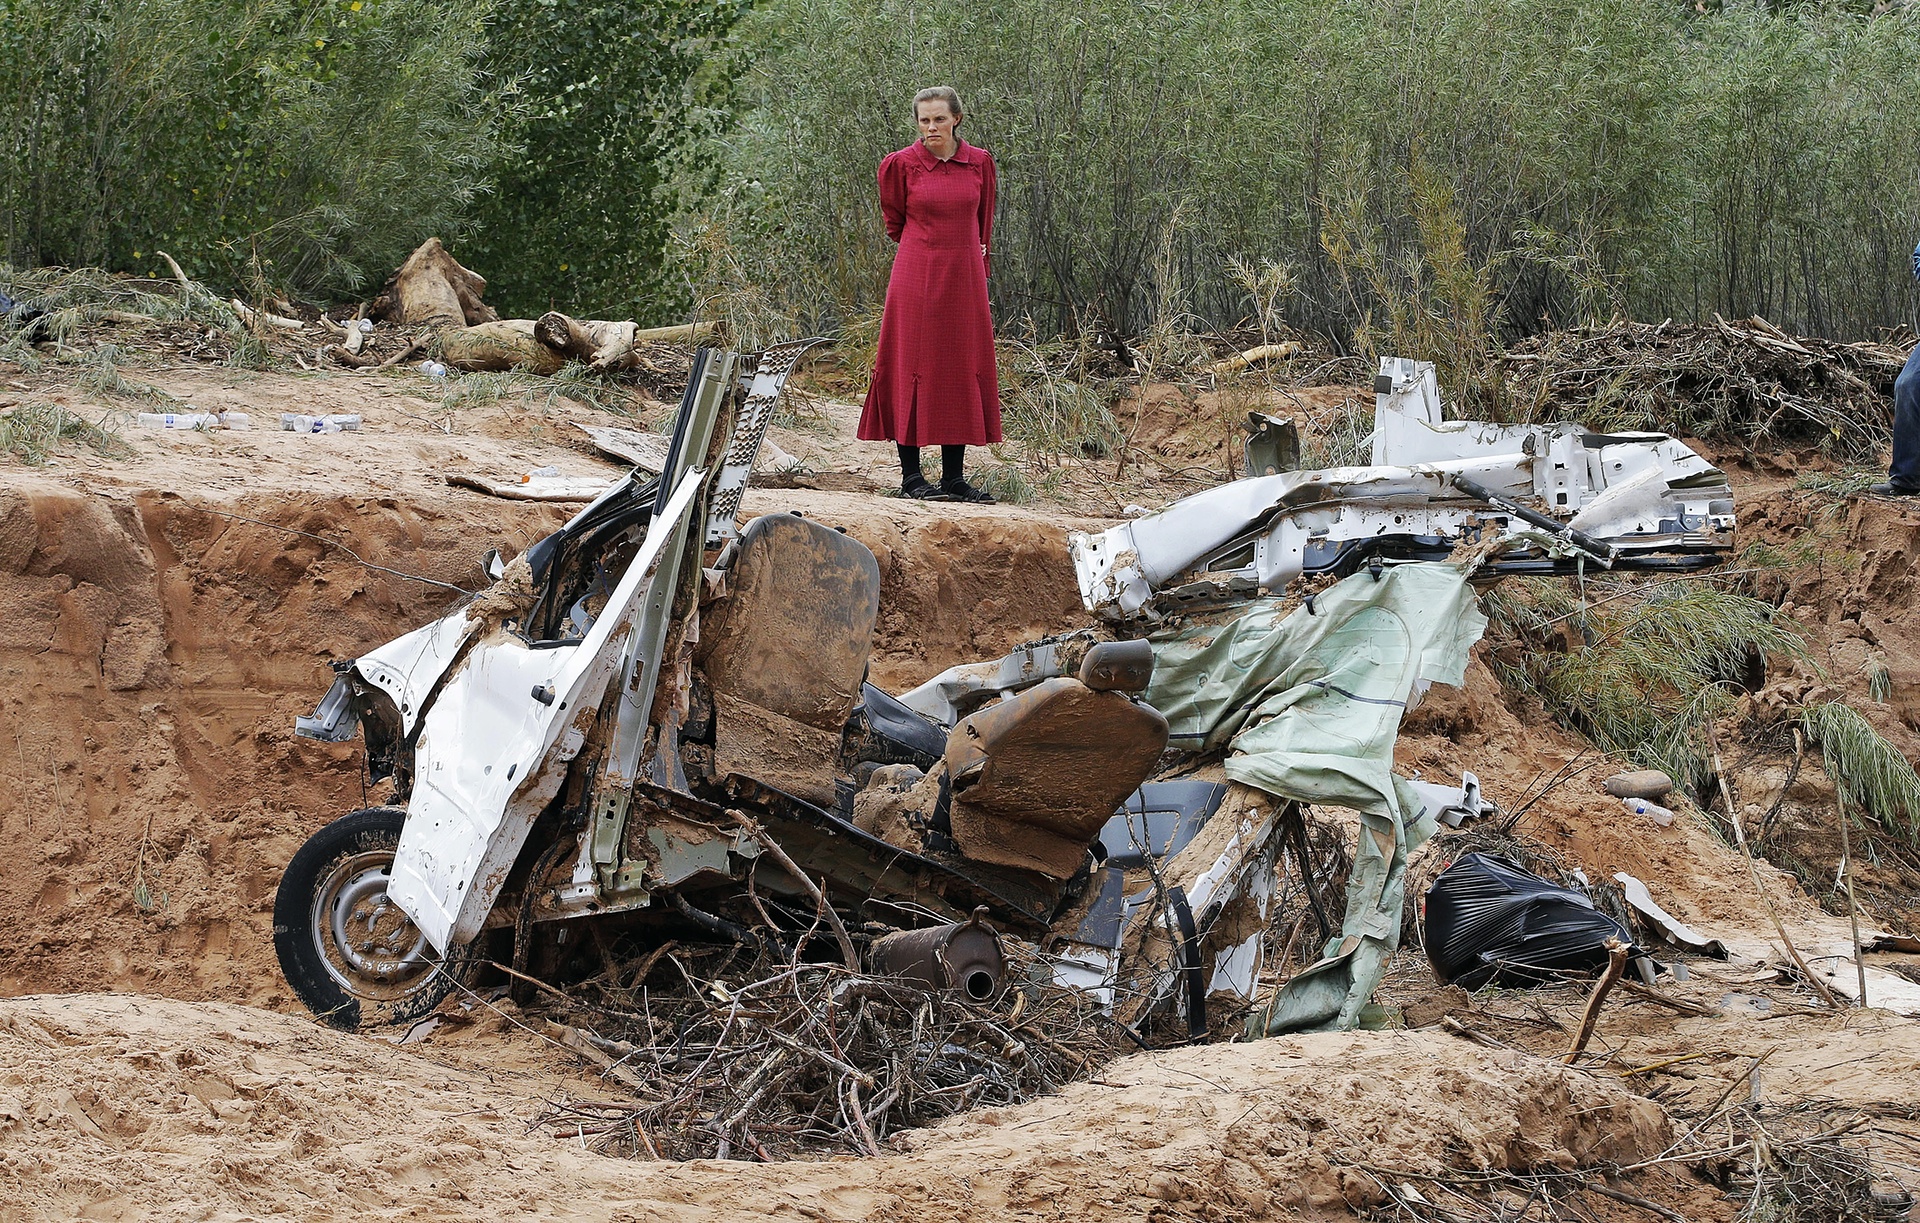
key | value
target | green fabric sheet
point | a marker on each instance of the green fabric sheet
(1307, 700)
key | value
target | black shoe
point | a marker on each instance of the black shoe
(960, 490)
(1887, 488)
(919, 488)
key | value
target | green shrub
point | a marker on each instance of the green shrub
(34, 432)
(306, 146)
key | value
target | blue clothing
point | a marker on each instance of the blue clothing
(1904, 471)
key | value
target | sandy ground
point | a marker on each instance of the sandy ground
(163, 619)
(122, 1107)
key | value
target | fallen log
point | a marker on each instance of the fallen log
(256, 318)
(432, 290)
(499, 345)
(543, 345)
(1255, 356)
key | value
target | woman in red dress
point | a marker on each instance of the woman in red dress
(934, 379)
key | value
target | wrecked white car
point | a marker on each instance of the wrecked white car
(660, 719)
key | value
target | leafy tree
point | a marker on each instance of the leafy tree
(306, 143)
(623, 102)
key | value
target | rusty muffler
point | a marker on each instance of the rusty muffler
(964, 956)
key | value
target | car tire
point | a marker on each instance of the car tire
(350, 954)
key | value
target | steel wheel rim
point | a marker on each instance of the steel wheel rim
(370, 947)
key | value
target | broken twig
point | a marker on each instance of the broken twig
(1616, 964)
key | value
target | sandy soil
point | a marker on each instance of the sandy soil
(162, 621)
(121, 1107)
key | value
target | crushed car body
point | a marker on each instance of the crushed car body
(661, 717)
(1632, 500)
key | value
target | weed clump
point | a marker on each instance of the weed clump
(1640, 668)
(1871, 773)
(34, 432)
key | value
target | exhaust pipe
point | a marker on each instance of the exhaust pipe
(964, 956)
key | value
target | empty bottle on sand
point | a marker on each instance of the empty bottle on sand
(1653, 811)
(180, 420)
(296, 422)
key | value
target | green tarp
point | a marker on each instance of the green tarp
(1307, 699)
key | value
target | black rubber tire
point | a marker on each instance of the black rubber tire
(346, 857)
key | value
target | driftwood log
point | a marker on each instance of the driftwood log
(434, 291)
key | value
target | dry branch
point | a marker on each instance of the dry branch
(1745, 378)
(809, 1058)
(1616, 964)
(1753, 866)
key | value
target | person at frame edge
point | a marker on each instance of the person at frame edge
(1903, 474)
(935, 380)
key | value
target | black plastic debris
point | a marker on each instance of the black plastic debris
(1490, 923)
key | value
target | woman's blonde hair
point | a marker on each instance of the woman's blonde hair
(939, 93)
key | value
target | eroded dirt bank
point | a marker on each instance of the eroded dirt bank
(157, 647)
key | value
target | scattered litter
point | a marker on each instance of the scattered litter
(433, 369)
(1489, 922)
(540, 473)
(196, 420)
(296, 422)
(1662, 816)
(1675, 931)
(1649, 784)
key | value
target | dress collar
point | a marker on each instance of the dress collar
(965, 154)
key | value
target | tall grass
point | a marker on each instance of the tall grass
(1595, 154)
(1872, 774)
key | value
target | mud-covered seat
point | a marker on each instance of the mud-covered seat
(1035, 777)
(785, 651)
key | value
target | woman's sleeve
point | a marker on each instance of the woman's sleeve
(988, 181)
(893, 196)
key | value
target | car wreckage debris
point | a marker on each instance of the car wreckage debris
(966, 956)
(655, 726)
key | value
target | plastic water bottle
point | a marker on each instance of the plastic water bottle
(366, 326)
(1639, 806)
(433, 369)
(235, 420)
(180, 420)
(540, 473)
(295, 422)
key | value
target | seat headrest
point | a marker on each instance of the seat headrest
(1118, 666)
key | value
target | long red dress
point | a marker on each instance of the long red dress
(934, 380)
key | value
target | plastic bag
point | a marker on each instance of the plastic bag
(1489, 922)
